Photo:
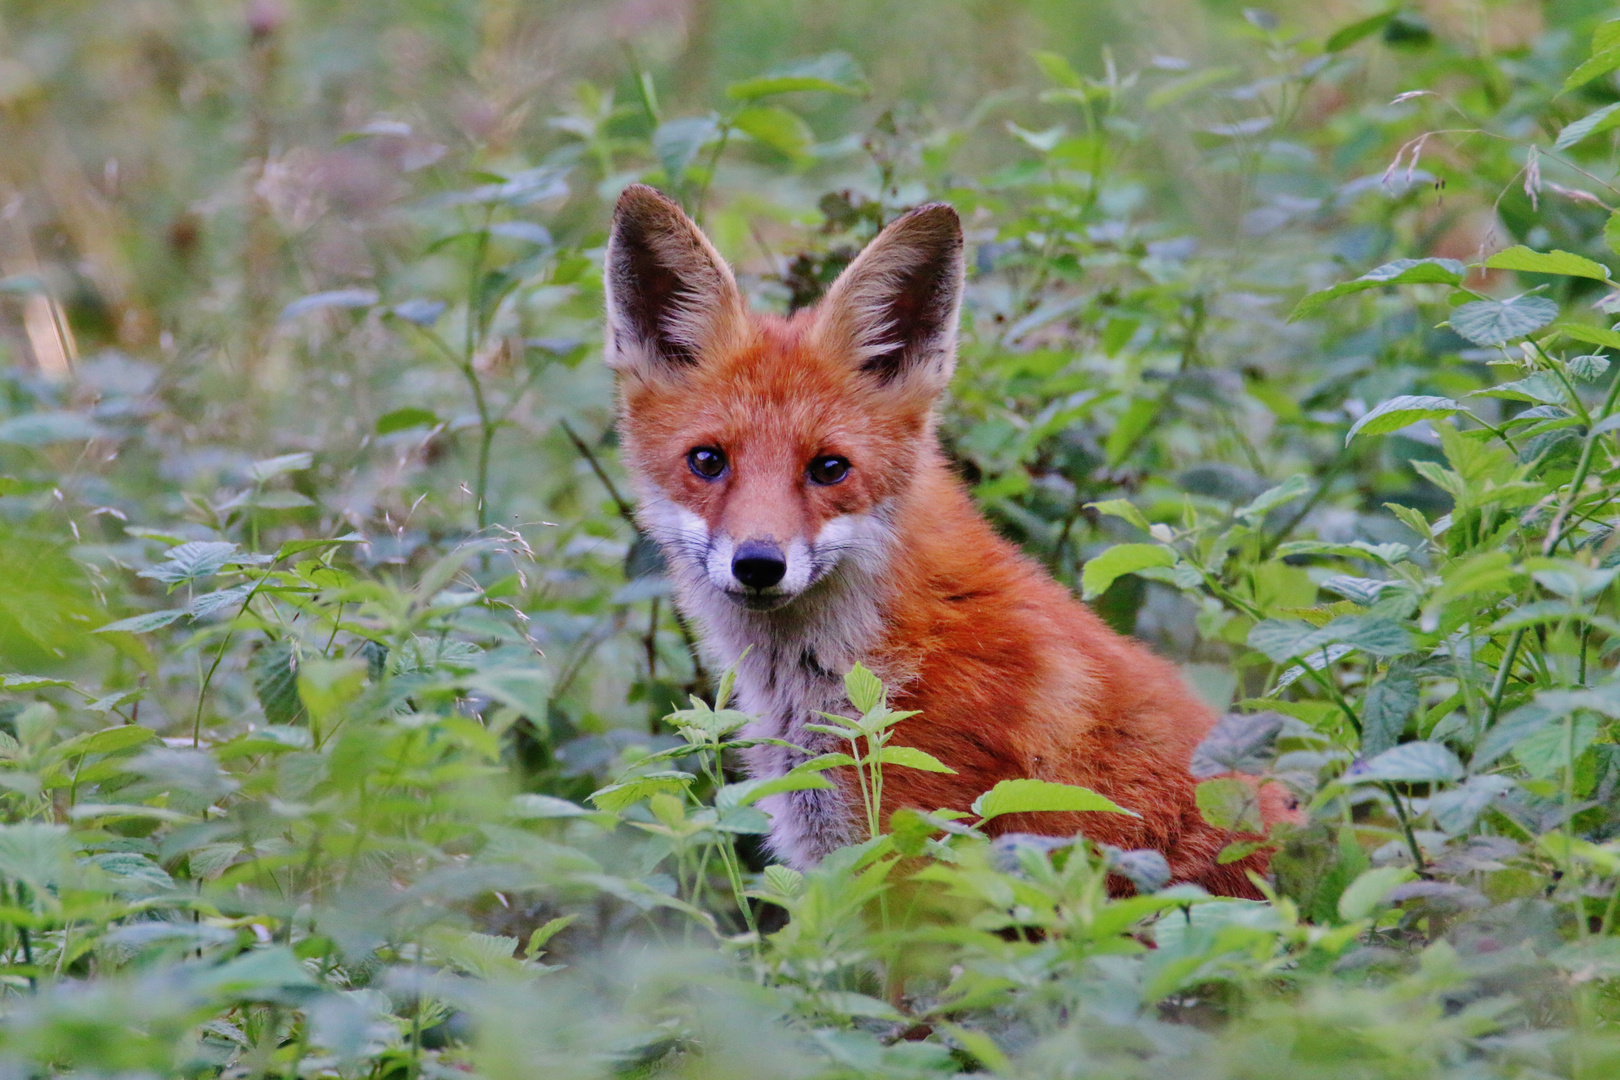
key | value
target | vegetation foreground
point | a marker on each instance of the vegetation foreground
(350, 731)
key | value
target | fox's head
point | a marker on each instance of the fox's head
(768, 450)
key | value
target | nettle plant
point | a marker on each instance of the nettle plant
(1464, 676)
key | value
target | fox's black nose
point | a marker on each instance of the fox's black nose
(758, 564)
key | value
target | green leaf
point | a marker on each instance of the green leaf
(142, 624)
(1561, 263)
(44, 428)
(778, 128)
(1238, 849)
(1456, 809)
(107, 740)
(1348, 35)
(1547, 751)
(1587, 368)
(1496, 322)
(1120, 508)
(529, 805)
(1601, 62)
(912, 758)
(260, 471)
(1102, 570)
(1388, 554)
(1057, 69)
(864, 690)
(1413, 763)
(1385, 710)
(1130, 427)
(1592, 335)
(1267, 501)
(749, 792)
(833, 73)
(545, 932)
(1542, 387)
(677, 142)
(616, 797)
(1036, 796)
(1369, 891)
(1229, 803)
(1432, 271)
(274, 671)
(526, 688)
(16, 683)
(1399, 412)
(405, 419)
(1289, 639)
(192, 560)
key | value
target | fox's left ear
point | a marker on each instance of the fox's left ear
(895, 307)
(670, 296)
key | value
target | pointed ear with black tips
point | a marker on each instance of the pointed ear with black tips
(670, 296)
(894, 309)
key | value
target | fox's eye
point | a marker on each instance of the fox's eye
(707, 461)
(828, 469)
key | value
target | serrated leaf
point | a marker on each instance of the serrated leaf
(274, 672)
(1587, 368)
(1291, 639)
(1455, 810)
(1036, 796)
(911, 758)
(1496, 322)
(1592, 123)
(545, 932)
(142, 624)
(1102, 570)
(1542, 387)
(1388, 553)
(863, 689)
(1400, 412)
(1413, 763)
(833, 72)
(190, 561)
(212, 603)
(616, 797)
(1385, 710)
(1239, 742)
(1562, 263)
(1433, 271)
(1230, 804)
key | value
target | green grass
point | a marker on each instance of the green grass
(350, 731)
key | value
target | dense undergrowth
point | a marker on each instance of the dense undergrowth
(349, 730)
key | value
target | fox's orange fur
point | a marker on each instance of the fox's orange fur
(890, 565)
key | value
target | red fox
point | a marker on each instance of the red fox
(790, 471)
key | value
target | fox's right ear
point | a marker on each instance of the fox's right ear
(670, 295)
